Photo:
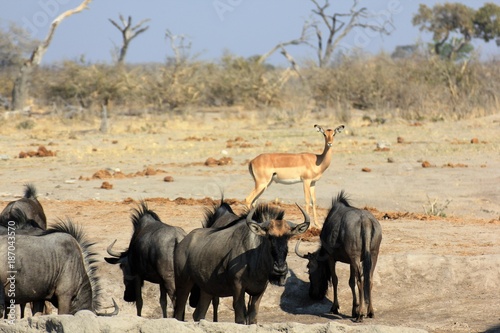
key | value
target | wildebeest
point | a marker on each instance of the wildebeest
(30, 206)
(230, 261)
(222, 214)
(33, 222)
(57, 266)
(349, 235)
(149, 257)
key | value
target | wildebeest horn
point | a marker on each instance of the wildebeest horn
(250, 214)
(114, 313)
(307, 219)
(303, 256)
(112, 252)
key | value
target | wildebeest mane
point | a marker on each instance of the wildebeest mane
(266, 212)
(30, 191)
(214, 213)
(89, 256)
(140, 213)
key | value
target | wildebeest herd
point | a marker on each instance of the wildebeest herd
(230, 255)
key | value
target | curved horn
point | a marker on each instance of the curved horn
(307, 219)
(303, 256)
(250, 214)
(111, 252)
(114, 313)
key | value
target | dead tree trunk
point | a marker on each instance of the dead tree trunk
(21, 84)
(129, 32)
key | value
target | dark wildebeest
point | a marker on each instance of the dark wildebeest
(29, 205)
(149, 257)
(33, 222)
(57, 266)
(352, 236)
(222, 214)
(230, 261)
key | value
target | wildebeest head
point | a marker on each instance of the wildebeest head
(141, 218)
(319, 271)
(278, 231)
(121, 258)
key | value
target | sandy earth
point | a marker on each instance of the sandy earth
(440, 274)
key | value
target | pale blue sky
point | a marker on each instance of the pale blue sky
(243, 27)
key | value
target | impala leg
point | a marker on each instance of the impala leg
(307, 196)
(255, 194)
(313, 202)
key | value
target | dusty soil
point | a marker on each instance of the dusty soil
(439, 274)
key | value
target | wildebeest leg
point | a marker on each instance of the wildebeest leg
(355, 280)
(239, 306)
(22, 307)
(253, 308)
(2, 302)
(371, 313)
(352, 285)
(335, 282)
(63, 304)
(181, 296)
(138, 295)
(202, 307)
(215, 307)
(37, 307)
(163, 300)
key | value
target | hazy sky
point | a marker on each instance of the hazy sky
(242, 27)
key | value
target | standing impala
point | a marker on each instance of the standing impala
(288, 169)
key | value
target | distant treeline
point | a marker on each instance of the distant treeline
(419, 87)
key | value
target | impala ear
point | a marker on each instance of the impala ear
(339, 129)
(319, 129)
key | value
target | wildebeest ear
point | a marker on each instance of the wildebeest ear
(301, 228)
(112, 261)
(256, 228)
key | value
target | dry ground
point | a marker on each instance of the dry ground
(440, 274)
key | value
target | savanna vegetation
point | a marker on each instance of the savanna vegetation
(442, 80)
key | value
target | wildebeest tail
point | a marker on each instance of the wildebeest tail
(367, 230)
(89, 256)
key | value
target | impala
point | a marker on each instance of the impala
(288, 169)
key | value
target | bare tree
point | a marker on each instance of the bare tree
(20, 90)
(129, 32)
(180, 45)
(337, 27)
